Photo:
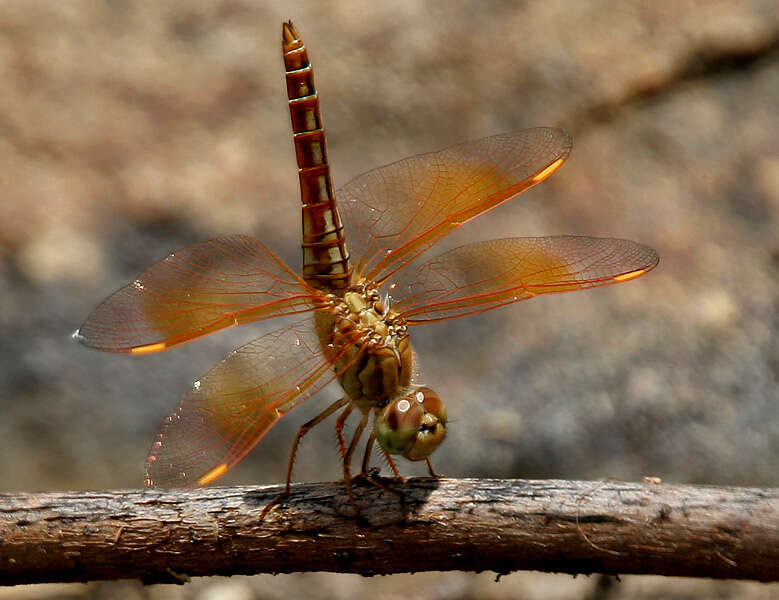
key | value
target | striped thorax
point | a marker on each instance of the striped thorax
(369, 345)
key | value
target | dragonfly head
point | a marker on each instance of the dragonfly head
(412, 425)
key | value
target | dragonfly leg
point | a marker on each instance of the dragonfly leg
(387, 456)
(371, 477)
(393, 466)
(348, 460)
(339, 429)
(367, 456)
(430, 469)
(304, 429)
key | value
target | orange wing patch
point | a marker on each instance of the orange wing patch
(149, 348)
(539, 177)
(213, 474)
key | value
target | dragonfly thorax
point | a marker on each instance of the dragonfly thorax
(368, 344)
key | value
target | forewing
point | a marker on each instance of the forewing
(228, 411)
(195, 291)
(486, 275)
(394, 213)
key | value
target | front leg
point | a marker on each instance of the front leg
(430, 469)
(370, 478)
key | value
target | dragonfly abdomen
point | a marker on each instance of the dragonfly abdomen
(325, 257)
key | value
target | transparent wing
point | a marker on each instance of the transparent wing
(195, 291)
(228, 411)
(486, 275)
(394, 213)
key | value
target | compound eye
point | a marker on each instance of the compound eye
(413, 425)
(398, 423)
(431, 402)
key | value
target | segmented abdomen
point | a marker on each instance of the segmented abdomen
(325, 257)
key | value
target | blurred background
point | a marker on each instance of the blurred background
(128, 130)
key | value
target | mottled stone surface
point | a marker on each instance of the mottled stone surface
(129, 130)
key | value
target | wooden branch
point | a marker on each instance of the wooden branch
(471, 525)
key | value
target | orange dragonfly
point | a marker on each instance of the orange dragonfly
(364, 300)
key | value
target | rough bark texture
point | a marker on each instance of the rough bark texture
(445, 524)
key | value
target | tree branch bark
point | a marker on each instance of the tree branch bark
(445, 524)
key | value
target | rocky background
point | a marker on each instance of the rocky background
(128, 130)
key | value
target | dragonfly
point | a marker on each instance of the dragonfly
(360, 293)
